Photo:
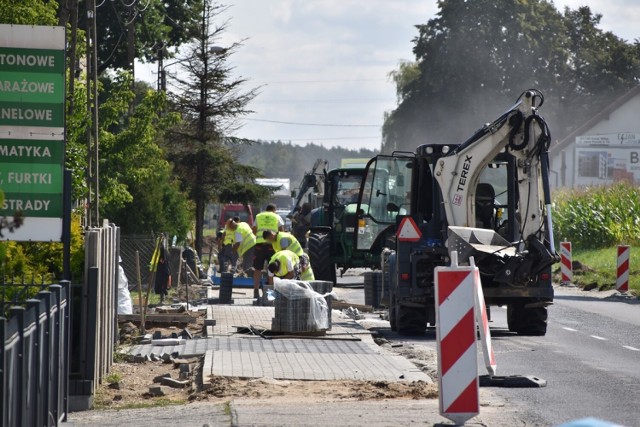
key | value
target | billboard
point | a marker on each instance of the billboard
(603, 159)
(32, 95)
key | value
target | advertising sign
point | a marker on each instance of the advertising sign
(603, 159)
(32, 94)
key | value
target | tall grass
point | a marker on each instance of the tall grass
(598, 217)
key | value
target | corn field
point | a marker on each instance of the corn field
(598, 217)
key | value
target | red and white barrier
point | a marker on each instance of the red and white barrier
(566, 262)
(483, 323)
(456, 336)
(622, 277)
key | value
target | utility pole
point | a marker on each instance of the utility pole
(92, 173)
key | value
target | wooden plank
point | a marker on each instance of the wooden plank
(158, 318)
(339, 305)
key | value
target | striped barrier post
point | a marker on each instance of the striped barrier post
(483, 323)
(566, 263)
(456, 340)
(622, 277)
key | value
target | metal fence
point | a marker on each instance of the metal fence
(145, 246)
(34, 358)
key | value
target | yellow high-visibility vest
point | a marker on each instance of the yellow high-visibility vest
(266, 221)
(288, 260)
(293, 244)
(229, 236)
(248, 238)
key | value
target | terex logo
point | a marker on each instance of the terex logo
(465, 172)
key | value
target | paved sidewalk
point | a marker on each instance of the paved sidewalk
(346, 352)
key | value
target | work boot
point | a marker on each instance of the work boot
(256, 293)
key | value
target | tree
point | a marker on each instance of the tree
(28, 12)
(475, 57)
(142, 29)
(210, 101)
(138, 190)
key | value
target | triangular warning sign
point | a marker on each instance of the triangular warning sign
(408, 230)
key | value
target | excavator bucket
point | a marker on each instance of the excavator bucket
(478, 241)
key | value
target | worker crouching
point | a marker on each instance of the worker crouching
(281, 241)
(287, 265)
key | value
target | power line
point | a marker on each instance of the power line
(312, 124)
(324, 81)
(323, 101)
(341, 138)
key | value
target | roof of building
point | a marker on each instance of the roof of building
(602, 115)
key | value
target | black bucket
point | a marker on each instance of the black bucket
(226, 288)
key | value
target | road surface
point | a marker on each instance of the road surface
(590, 358)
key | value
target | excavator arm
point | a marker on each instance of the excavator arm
(523, 134)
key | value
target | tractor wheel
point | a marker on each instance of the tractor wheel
(527, 321)
(411, 320)
(320, 257)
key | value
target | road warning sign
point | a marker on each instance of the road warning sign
(408, 230)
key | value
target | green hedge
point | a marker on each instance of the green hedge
(598, 217)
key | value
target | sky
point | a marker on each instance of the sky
(322, 65)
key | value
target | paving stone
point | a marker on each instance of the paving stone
(156, 391)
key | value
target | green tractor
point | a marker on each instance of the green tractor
(334, 228)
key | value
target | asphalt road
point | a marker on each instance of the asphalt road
(590, 359)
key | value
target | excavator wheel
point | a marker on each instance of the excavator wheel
(527, 321)
(410, 320)
(320, 257)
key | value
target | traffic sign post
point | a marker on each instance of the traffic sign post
(566, 262)
(622, 276)
(32, 95)
(456, 340)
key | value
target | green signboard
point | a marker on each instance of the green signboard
(32, 95)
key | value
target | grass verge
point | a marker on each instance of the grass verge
(601, 268)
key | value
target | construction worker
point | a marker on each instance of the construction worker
(282, 240)
(226, 256)
(267, 220)
(285, 265)
(244, 242)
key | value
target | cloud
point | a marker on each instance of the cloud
(326, 61)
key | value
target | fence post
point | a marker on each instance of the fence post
(34, 363)
(19, 408)
(3, 370)
(64, 308)
(93, 281)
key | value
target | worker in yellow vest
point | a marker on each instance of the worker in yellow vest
(282, 240)
(267, 220)
(227, 258)
(285, 265)
(244, 242)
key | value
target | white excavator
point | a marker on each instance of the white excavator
(487, 197)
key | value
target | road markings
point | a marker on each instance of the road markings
(569, 329)
(598, 338)
(631, 348)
